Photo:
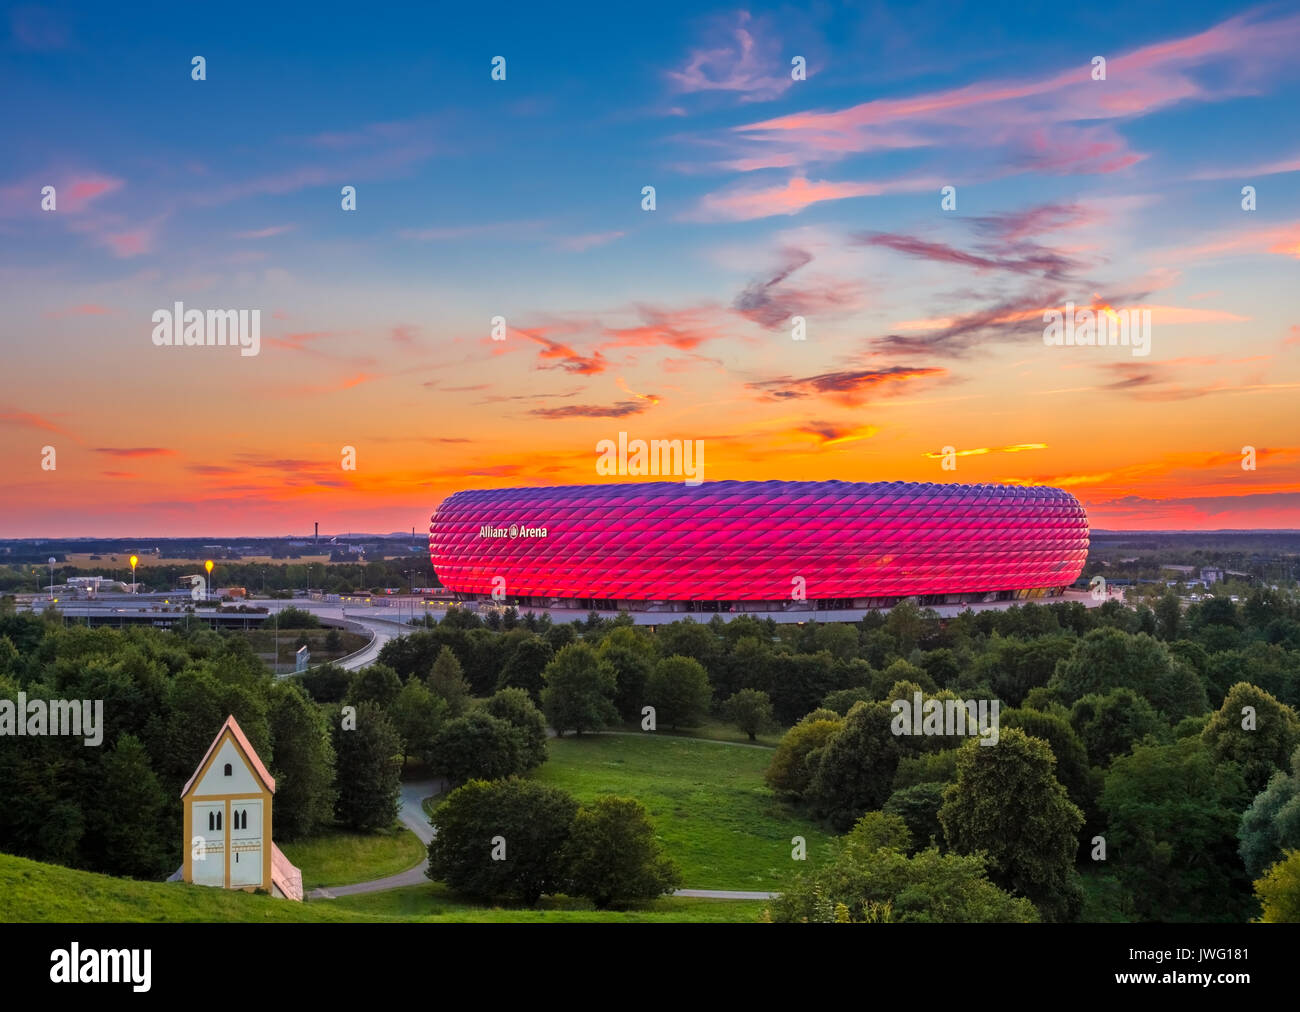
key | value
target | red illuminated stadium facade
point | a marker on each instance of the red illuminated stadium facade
(758, 545)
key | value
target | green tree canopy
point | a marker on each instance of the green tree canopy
(679, 690)
(579, 690)
(502, 839)
(369, 772)
(447, 680)
(1172, 817)
(303, 766)
(516, 708)
(1255, 730)
(477, 746)
(1013, 784)
(870, 878)
(751, 711)
(612, 856)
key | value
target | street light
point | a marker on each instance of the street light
(134, 560)
(51, 577)
(208, 566)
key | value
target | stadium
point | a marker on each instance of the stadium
(733, 546)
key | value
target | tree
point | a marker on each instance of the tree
(612, 856)
(791, 769)
(326, 683)
(516, 708)
(1013, 784)
(1013, 667)
(447, 680)
(751, 711)
(1110, 724)
(906, 624)
(855, 770)
(1109, 658)
(503, 839)
(1169, 616)
(842, 700)
(689, 638)
(369, 774)
(800, 682)
(127, 813)
(303, 766)
(484, 658)
(524, 668)
(632, 655)
(477, 746)
(418, 714)
(870, 878)
(1069, 751)
(579, 690)
(679, 691)
(377, 684)
(1271, 824)
(918, 806)
(1172, 817)
(837, 639)
(1260, 739)
(1279, 891)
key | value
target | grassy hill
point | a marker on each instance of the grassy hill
(31, 891)
(711, 808)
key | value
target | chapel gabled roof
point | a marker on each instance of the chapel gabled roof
(244, 746)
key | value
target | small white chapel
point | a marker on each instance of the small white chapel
(228, 804)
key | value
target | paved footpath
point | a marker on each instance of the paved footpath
(412, 816)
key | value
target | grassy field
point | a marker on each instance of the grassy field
(31, 892)
(342, 858)
(714, 814)
(263, 642)
(716, 730)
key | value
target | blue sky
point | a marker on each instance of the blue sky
(522, 198)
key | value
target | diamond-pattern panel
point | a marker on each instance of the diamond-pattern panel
(748, 540)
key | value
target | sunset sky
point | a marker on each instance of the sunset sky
(522, 198)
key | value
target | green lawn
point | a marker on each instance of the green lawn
(340, 857)
(715, 730)
(714, 814)
(34, 892)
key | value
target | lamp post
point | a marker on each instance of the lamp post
(134, 560)
(51, 577)
(208, 566)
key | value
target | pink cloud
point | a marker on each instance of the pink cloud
(29, 420)
(77, 193)
(85, 309)
(741, 57)
(129, 244)
(748, 203)
(265, 233)
(1012, 114)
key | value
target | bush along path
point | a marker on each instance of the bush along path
(413, 817)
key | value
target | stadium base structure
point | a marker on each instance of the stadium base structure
(771, 546)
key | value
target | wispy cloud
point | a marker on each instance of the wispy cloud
(135, 451)
(619, 410)
(741, 56)
(772, 301)
(848, 387)
(745, 203)
(265, 233)
(1054, 123)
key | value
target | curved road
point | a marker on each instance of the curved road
(412, 816)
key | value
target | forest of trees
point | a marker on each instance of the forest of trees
(1148, 755)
